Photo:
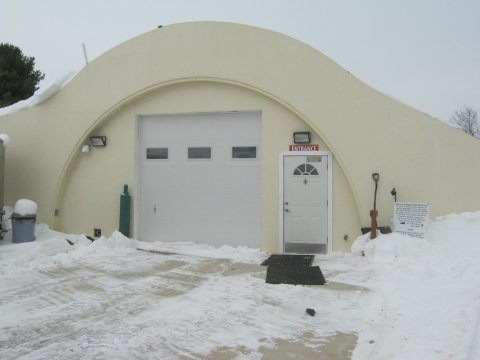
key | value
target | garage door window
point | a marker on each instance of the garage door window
(157, 153)
(199, 152)
(244, 152)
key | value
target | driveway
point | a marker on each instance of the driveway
(129, 304)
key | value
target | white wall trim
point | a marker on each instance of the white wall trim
(136, 179)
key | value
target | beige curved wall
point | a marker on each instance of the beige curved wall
(426, 161)
(95, 180)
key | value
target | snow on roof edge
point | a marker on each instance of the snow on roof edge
(40, 95)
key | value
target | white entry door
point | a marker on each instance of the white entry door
(305, 203)
(199, 178)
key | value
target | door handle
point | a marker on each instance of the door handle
(154, 209)
(286, 210)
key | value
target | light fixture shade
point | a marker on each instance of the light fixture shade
(301, 137)
(98, 140)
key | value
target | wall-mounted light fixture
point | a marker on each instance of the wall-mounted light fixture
(301, 137)
(98, 140)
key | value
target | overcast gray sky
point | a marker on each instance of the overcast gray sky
(425, 53)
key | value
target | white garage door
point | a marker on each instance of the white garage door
(199, 178)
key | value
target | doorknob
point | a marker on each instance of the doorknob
(286, 210)
(155, 209)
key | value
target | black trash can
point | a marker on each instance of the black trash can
(23, 228)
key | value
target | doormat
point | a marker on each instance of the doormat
(295, 275)
(289, 260)
(293, 269)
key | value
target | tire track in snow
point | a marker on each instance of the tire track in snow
(152, 306)
(59, 312)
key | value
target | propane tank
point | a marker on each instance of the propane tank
(124, 224)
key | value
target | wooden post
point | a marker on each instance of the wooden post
(373, 216)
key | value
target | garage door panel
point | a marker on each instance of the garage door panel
(207, 181)
(199, 231)
(200, 126)
(191, 207)
(216, 200)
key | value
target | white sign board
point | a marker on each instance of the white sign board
(411, 219)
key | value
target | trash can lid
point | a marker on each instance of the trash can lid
(24, 217)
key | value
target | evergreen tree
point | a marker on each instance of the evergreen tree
(18, 77)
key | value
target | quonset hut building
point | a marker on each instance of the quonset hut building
(198, 119)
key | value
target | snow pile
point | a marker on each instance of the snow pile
(427, 293)
(116, 241)
(52, 248)
(25, 207)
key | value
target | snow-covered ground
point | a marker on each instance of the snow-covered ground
(395, 297)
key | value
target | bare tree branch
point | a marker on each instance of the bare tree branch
(467, 121)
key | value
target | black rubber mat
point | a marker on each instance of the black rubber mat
(295, 275)
(289, 260)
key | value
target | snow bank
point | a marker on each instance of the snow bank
(25, 207)
(34, 255)
(52, 248)
(115, 241)
(387, 248)
(427, 293)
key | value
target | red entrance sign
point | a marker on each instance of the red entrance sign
(303, 147)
